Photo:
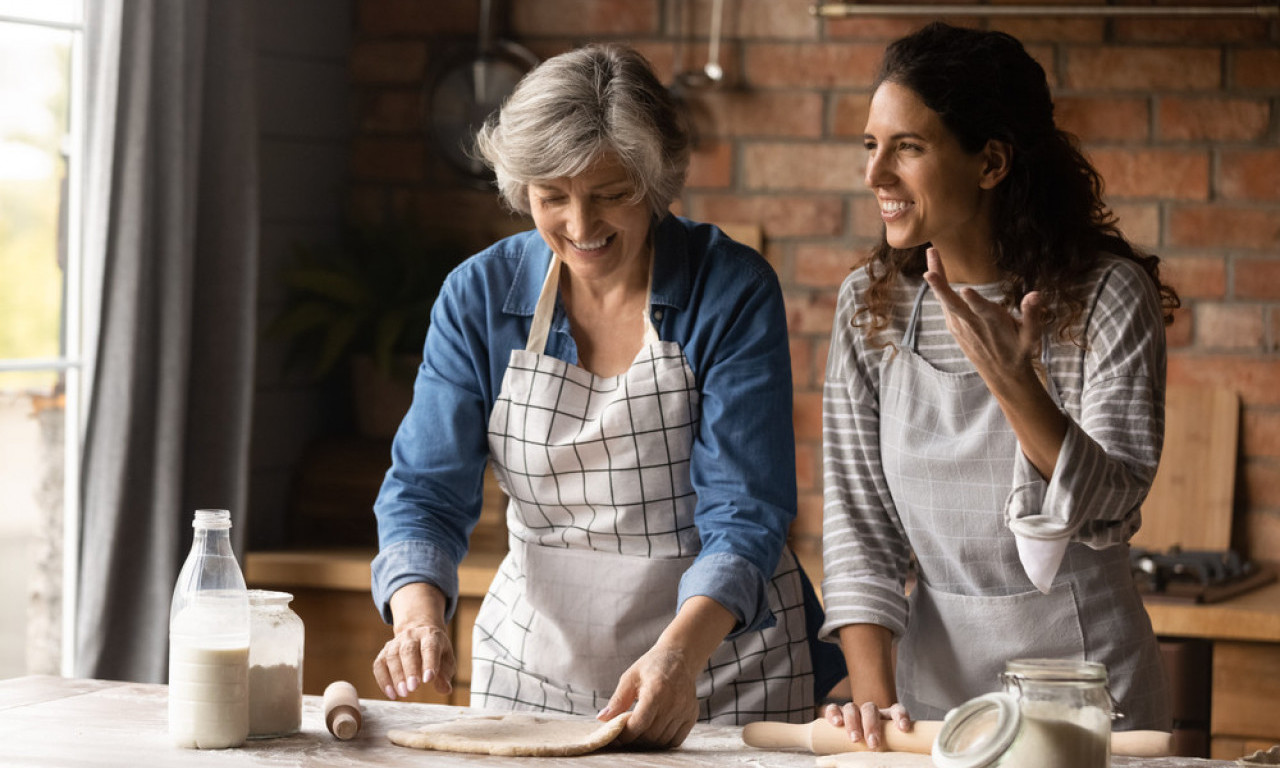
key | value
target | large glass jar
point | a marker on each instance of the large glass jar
(275, 665)
(1053, 713)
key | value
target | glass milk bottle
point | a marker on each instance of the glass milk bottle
(209, 641)
(275, 665)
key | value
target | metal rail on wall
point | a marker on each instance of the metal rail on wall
(840, 10)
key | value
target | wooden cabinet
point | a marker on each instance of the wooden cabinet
(1244, 695)
(344, 632)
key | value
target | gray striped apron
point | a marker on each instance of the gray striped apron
(949, 459)
(601, 528)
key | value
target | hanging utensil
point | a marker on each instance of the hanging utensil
(470, 89)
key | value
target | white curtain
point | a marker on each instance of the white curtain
(171, 217)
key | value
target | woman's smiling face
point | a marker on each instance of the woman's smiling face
(929, 189)
(593, 221)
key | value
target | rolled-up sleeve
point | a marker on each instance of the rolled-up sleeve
(431, 496)
(743, 458)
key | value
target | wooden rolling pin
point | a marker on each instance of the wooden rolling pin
(342, 709)
(823, 738)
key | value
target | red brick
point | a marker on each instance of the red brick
(801, 363)
(1260, 432)
(392, 111)
(1257, 278)
(1139, 223)
(590, 18)
(779, 216)
(1260, 481)
(823, 266)
(755, 19)
(690, 61)
(1104, 119)
(1213, 119)
(850, 117)
(417, 18)
(820, 354)
(883, 28)
(1051, 30)
(1195, 277)
(388, 159)
(807, 528)
(1113, 68)
(809, 466)
(867, 223)
(809, 312)
(819, 167)
(1169, 174)
(1262, 535)
(807, 412)
(1229, 326)
(388, 61)
(763, 113)
(1253, 376)
(1179, 334)
(811, 65)
(1249, 174)
(1256, 68)
(711, 165)
(1221, 226)
(1200, 30)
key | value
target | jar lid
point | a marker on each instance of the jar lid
(977, 733)
(268, 597)
(1056, 670)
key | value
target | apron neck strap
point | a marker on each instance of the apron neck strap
(911, 339)
(545, 310)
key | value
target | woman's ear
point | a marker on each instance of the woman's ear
(997, 158)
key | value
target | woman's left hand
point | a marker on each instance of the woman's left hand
(997, 343)
(662, 685)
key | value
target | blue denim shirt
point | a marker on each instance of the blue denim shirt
(719, 300)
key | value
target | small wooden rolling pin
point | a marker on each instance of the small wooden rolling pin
(342, 709)
(823, 738)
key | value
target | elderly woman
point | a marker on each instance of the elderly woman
(994, 399)
(627, 374)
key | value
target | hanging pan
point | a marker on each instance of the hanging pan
(469, 89)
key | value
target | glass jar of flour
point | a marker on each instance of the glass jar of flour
(1053, 713)
(275, 665)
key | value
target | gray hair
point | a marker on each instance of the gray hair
(576, 107)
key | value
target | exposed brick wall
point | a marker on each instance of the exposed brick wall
(1181, 116)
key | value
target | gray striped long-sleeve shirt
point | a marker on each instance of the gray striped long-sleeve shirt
(1112, 391)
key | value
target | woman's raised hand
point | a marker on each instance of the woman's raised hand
(996, 342)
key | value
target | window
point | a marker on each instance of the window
(41, 93)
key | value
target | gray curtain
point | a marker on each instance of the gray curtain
(172, 215)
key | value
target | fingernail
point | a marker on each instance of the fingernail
(855, 736)
(872, 741)
(428, 676)
(413, 684)
(602, 713)
(391, 693)
(400, 687)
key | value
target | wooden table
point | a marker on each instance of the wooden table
(53, 722)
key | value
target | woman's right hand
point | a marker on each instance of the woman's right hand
(865, 722)
(421, 651)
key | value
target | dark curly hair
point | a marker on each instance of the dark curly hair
(1049, 221)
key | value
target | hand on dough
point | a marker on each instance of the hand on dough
(662, 685)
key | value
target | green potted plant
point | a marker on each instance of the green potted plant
(366, 305)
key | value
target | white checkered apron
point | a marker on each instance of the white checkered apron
(949, 461)
(601, 525)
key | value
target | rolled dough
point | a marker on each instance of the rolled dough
(517, 734)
